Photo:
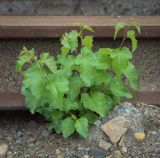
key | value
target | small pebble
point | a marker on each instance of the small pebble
(124, 149)
(116, 154)
(104, 145)
(139, 136)
(57, 152)
(9, 139)
(45, 134)
(154, 132)
(3, 149)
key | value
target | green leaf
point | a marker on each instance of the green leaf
(135, 23)
(132, 36)
(49, 61)
(120, 58)
(82, 127)
(68, 127)
(65, 41)
(132, 76)
(85, 27)
(74, 87)
(119, 89)
(101, 76)
(88, 64)
(26, 56)
(118, 27)
(91, 117)
(104, 51)
(95, 102)
(65, 51)
(67, 64)
(69, 41)
(70, 105)
(56, 120)
(104, 59)
(85, 61)
(73, 39)
(57, 87)
(56, 114)
(56, 125)
(44, 111)
(34, 79)
(87, 41)
(30, 100)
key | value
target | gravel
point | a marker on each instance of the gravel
(28, 136)
(80, 7)
(148, 51)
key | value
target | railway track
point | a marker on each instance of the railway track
(41, 27)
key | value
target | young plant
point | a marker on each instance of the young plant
(75, 88)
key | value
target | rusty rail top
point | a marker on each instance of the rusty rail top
(55, 26)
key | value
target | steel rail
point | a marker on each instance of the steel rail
(55, 26)
(15, 101)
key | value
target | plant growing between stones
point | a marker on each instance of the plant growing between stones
(75, 88)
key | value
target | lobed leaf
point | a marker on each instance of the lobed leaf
(135, 23)
(26, 56)
(131, 35)
(30, 100)
(85, 61)
(57, 87)
(119, 89)
(104, 59)
(87, 41)
(81, 126)
(95, 102)
(74, 87)
(34, 80)
(132, 75)
(71, 105)
(119, 26)
(69, 42)
(85, 27)
(68, 127)
(67, 64)
(90, 116)
(49, 61)
(90, 66)
(121, 57)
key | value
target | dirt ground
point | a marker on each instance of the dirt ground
(27, 136)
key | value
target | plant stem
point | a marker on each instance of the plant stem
(124, 37)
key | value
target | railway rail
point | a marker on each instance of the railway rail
(55, 26)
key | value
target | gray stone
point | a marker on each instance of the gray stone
(45, 134)
(104, 145)
(97, 153)
(124, 149)
(19, 141)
